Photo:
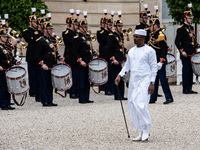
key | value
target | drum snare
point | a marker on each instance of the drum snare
(195, 61)
(170, 67)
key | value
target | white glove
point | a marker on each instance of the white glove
(159, 65)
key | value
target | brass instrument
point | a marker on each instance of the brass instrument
(93, 37)
(163, 28)
(24, 45)
(128, 31)
(15, 33)
(59, 39)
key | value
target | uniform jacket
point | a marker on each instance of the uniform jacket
(46, 52)
(158, 42)
(115, 46)
(81, 48)
(68, 37)
(6, 57)
(185, 40)
(29, 36)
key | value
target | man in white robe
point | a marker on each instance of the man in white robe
(142, 64)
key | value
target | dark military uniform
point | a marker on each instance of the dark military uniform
(158, 42)
(144, 26)
(117, 51)
(6, 61)
(102, 37)
(185, 42)
(82, 52)
(46, 53)
(68, 38)
(30, 38)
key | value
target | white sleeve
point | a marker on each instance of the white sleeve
(126, 67)
(153, 64)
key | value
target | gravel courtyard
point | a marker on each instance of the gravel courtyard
(100, 126)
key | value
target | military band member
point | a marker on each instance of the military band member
(68, 37)
(117, 55)
(186, 43)
(46, 56)
(158, 42)
(30, 38)
(143, 24)
(66, 52)
(6, 61)
(83, 52)
(102, 37)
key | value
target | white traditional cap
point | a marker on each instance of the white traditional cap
(141, 32)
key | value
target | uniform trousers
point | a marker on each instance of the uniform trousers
(187, 75)
(47, 88)
(109, 85)
(161, 74)
(74, 90)
(32, 77)
(84, 85)
(115, 70)
(38, 83)
(4, 94)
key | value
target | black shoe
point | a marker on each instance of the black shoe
(108, 93)
(83, 102)
(53, 104)
(124, 98)
(4, 108)
(88, 101)
(190, 92)
(10, 108)
(168, 101)
(46, 105)
(73, 96)
(159, 95)
(38, 100)
(152, 101)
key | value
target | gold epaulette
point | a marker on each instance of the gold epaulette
(138, 24)
(110, 34)
(161, 36)
(76, 36)
(101, 31)
(180, 26)
(36, 32)
(146, 28)
(25, 30)
(67, 32)
(38, 39)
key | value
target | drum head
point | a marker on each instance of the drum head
(97, 64)
(170, 58)
(15, 72)
(60, 70)
(196, 58)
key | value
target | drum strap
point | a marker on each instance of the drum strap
(99, 87)
(22, 100)
(56, 91)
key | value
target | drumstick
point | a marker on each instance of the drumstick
(18, 65)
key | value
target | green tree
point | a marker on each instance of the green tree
(177, 7)
(19, 12)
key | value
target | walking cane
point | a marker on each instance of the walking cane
(123, 111)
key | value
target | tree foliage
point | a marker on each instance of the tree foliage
(177, 7)
(19, 12)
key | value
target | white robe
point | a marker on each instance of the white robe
(142, 64)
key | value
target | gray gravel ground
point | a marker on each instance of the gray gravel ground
(100, 125)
